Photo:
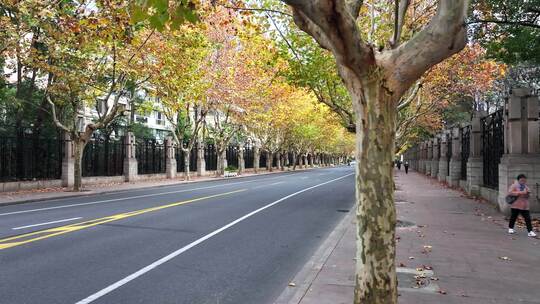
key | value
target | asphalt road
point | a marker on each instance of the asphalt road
(235, 241)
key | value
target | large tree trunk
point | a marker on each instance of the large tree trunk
(79, 145)
(376, 215)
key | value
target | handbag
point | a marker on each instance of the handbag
(510, 199)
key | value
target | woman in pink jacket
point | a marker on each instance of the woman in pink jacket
(521, 204)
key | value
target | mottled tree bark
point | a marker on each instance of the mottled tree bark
(376, 80)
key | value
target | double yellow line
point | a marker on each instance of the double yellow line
(48, 233)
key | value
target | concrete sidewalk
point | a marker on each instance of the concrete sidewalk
(457, 251)
(24, 196)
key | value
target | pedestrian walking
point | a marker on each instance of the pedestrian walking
(406, 165)
(398, 163)
(518, 197)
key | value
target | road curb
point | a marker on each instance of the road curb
(92, 192)
(309, 272)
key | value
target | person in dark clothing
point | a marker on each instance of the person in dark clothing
(406, 165)
(398, 163)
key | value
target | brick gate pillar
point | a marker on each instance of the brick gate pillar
(522, 146)
(170, 158)
(443, 160)
(130, 161)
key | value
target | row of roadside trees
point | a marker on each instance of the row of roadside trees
(81, 65)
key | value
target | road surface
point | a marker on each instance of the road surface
(235, 241)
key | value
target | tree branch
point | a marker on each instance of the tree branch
(400, 12)
(55, 118)
(444, 36)
(506, 22)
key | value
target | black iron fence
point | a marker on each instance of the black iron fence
(492, 147)
(448, 153)
(231, 154)
(29, 157)
(465, 150)
(180, 163)
(103, 157)
(150, 156)
(249, 157)
(210, 157)
(262, 159)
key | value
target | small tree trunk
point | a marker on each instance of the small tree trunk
(269, 160)
(78, 154)
(221, 161)
(256, 159)
(186, 164)
(376, 280)
(294, 161)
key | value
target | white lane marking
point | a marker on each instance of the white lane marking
(276, 183)
(131, 197)
(53, 222)
(176, 253)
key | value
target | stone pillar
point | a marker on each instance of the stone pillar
(241, 161)
(130, 161)
(475, 163)
(201, 161)
(443, 160)
(522, 146)
(68, 163)
(455, 160)
(435, 159)
(170, 158)
(429, 157)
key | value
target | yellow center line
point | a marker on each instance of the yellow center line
(51, 232)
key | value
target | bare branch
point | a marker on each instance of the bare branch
(506, 22)
(411, 97)
(399, 21)
(258, 10)
(55, 118)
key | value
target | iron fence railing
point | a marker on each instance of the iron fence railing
(150, 156)
(249, 157)
(103, 157)
(492, 147)
(210, 157)
(180, 163)
(465, 150)
(231, 154)
(29, 157)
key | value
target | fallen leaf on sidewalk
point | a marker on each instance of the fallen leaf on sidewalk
(402, 265)
(504, 258)
(434, 278)
(292, 284)
(442, 292)
(411, 258)
(427, 267)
